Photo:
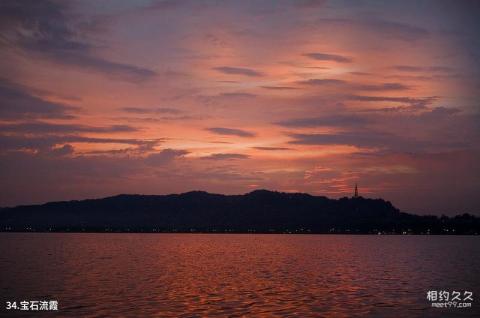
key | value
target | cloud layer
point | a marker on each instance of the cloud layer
(171, 96)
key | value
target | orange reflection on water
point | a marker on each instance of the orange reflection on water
(224, 275)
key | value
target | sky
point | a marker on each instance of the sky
(99, 98)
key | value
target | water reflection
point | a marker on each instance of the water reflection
(172, 275)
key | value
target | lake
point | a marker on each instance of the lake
(230, 275)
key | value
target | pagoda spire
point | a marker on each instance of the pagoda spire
(355, 195)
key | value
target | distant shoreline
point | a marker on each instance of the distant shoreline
(244, 233)
(260, 211)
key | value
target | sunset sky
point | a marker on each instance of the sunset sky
(99, 98)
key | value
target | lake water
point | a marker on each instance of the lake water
(227, 275)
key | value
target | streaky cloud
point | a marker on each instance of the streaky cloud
(43, 127)
(231, 132)
(332, 120)
(412, 101)
(279, 88)
(380, 27)
(368, 139)
(226, 156)
(238, 95)
(165, 156)
(238, 71)
(22, 142)
(147, 110)
(414, 69)
(322, 82)
(18, 102)
(329, 57)
(272, 148)
(383, 87)
(63, 150)
(43, 28)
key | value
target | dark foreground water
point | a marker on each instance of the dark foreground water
(204, 275)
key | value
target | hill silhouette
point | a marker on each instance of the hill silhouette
(260, 211)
